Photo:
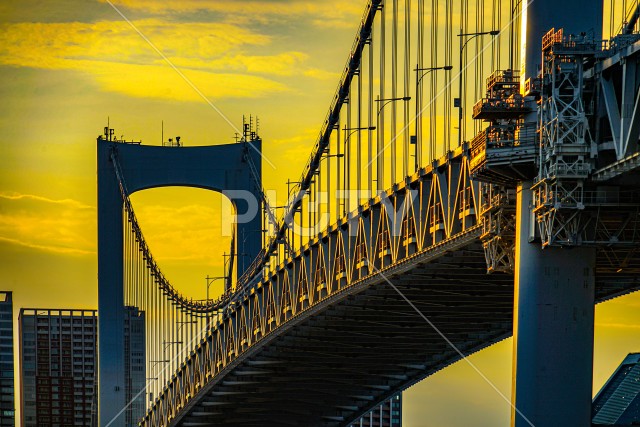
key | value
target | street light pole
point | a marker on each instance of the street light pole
(210, 281)
(327, 156)
(512, 34)
(379, 161)
(345, 162)
(419, 77)
(470, 36)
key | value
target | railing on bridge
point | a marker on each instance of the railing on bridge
(423, 218)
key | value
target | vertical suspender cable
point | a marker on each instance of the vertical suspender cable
(449, 52)
(359, 141)
(433, 53)
(478, 78)
(495, 18)
(156, 341)
(346, 187)
(447, 92)
(312, 201)
(336, 192)
(167, 345)
(370, 111)
(407, 87)
(380, 113)
(192, 328)
(419, 88)
(467, 71)
(394, 90)
(497, 41)
(125, 272)
(319, 198)
(328, 190)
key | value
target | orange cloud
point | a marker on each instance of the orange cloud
(615, 325)
(325, 13)
(61, 226)
(156, 81)
(121, 61)
(189, 234)
(45, 248)
(281, 64)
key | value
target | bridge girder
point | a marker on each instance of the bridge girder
(321, 335)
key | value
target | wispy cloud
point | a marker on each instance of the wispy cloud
(190, 233)
(328, 13)
(319, 74)
(55, 45)
(158, 81)
(281, 64)
(33, 197)
(215, 56)
(46, 248)
(63, 226)
(614, 325)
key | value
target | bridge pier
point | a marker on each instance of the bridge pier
(553, 329)
(111, 376)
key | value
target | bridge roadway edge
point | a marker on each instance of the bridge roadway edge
(604, 292)
(390, 272)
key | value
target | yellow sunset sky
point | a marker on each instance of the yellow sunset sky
(68, 66)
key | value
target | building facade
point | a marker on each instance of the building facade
(58, 367)
(388, 414)
(7, 400)
(58, 350)
(618, 402)
(135, 365)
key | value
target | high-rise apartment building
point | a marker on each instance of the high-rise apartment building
(7, 400)
(135, 365)
(387, 414)
(58, 367)
(618, 402)
(58, 350)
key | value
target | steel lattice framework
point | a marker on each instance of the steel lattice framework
(435, 243)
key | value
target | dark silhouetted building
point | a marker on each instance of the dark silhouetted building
(58, 367)
(618, 402)
(135, 365)
(7, 400)
(58, 350)
(388, 414)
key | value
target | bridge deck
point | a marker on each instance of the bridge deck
(368, 343)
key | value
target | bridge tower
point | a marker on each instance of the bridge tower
(554, 294)
(231, 169)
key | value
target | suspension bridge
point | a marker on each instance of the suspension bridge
(472, 180)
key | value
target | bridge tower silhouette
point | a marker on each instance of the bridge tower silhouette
(124, 168)
(554, 286)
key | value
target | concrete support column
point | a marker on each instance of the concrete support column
(553, 329)
(111, 393)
